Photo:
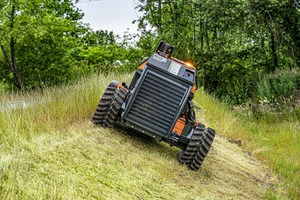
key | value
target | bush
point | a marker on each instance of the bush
(283, 83)
(279, 88)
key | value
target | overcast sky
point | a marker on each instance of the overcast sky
(112, 15)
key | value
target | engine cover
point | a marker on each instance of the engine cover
(157, 101)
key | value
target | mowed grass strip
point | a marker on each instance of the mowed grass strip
(85, 162)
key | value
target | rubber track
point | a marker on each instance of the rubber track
(190, 150)
(103, 106)
(114, 107)
(203, 148)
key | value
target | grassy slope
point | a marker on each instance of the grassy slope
(274, 140)
(52, 151)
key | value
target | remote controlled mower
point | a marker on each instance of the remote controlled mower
(158, 103)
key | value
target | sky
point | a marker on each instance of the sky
(111, 15)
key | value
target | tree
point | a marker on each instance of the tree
(232, 42)
(35, 36)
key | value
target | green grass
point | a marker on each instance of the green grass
(282, 137)
(53, 151)
(273, 139)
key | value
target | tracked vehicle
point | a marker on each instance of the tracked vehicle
(158, 103)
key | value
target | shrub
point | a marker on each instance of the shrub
(280, 88)
(283, 83)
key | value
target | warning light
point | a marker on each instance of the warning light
(189, 64)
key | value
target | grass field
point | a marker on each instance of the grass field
(53, 151)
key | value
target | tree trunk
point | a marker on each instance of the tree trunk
(201, 33)
(6, 57)
(193, 25)
(6, 66)
(207, 40)
(175, 21)
(274, 54)
(159, 25)
(14, 66)
(13, 60)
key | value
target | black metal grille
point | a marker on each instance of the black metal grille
(157, 102)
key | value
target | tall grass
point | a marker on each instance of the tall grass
(35, 131)
(52, 151)
(55, 107)
(273, 139)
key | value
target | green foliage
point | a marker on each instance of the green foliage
(264, 89)
(99, 38)
(99, 56)
(232, 43)
(279, 90)
(101, 52)
(36, 38)
(47, 60)
(284, 83)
